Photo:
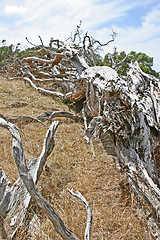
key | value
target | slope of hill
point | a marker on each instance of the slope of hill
(71, 165)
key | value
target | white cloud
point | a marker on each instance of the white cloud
(13, 9)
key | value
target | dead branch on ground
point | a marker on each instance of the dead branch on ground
(29, 177)
(89, 213)
(45, 116)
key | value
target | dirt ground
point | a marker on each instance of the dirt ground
(71, 165)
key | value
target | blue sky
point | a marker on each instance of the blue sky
(137, 22)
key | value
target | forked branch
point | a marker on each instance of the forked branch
(28, 181)
(30, 178)
(92, 41)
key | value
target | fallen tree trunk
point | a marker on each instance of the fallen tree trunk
(128, 107)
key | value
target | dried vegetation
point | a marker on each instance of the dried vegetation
(71, 165)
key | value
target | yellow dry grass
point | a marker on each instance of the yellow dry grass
(71, 165)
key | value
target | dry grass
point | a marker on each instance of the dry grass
(71, 165)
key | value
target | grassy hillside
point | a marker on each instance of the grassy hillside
(71, 165)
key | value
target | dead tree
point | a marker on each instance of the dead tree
(125, 106)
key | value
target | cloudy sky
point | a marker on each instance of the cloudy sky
(137, 22)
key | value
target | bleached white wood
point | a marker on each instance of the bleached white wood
(131, 113)
(48, 92)
(89, 212)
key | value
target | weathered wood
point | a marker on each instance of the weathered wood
(24, 119)
(47, 92)
(29, 178)
(53, 62)
(56, 80)
(89, 141)
(50, 115)
(18, 105)
(131, 113)
(89, 213)
(125, 106)
(45, 116)
(15, 201)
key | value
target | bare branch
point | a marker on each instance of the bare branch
(57, 41)
(105, 44)
(89, 39)
(28, 181)
(50, 115)
(89, 213)
(88, 140)
(92, 41)
(77, 33)
(113, 57)
(21, 119)
(50, 50)
(41, 40)
(46, 116)
(14, 205)
(119, 63)
(50, 79)
(47, 92)
(54, 61)
(31, 43)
